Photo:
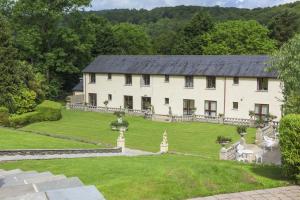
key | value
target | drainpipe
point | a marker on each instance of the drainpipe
(85, 102)
(224, 110)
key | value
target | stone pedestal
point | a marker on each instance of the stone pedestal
(121, 141)
(68, 106)
(164, 146)
(223, 154)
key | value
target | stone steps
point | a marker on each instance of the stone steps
(32, 185)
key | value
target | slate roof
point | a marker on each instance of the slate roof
(78, 87)
(232, 65)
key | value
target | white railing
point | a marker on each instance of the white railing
(172, 118)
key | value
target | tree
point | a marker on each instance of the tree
(284, 26)
(131, 39)
(201, 23)
(238, 37)
(19, 88)
(286, 62)
(50, 41)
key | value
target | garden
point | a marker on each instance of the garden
(191, 169)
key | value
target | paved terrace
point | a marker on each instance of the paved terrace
(282, 193)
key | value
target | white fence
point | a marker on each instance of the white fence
(147, 114)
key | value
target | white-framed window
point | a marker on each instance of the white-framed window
(210, 108)
(145, 80)
(189, 82)
(167, 78)
(109, 76)
(167, 101)
(109, 97)
(235, 105)
(211, 82)
(262, 84)
(236, 80)
(92, 78)
(128, 79)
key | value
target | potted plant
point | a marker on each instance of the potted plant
(105, 104)
(251, 114)
(222, 140)
(241, 130)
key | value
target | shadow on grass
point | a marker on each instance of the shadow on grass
(269, 171)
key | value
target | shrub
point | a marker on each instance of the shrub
(119, 113)
(46, 111)
(221, 139)
(290, 144)
(241, 129)
(118, 125)
(51, 111)
(4, 115)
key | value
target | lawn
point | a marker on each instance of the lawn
(13, 139)
(168, 177)
(194, 137)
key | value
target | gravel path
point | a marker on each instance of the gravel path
(128, 152)
(282, 193)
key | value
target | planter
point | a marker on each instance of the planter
(224, 143)
(118, 128)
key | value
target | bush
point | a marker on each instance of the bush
(241, 129)
(51, 111)
(4, 115)
(119, 125)
(119, 113)
(290, 144)
(46, 111)
(221, 139)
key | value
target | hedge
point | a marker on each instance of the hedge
(4, 115)
(290, 146)
(46, 111)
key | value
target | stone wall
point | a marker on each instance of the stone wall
(57, 151)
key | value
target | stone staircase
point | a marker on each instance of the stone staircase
(31, 185)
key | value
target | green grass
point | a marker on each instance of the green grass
(167, 177)
(13, 139)
(197, 138)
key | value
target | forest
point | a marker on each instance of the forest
(45, 44)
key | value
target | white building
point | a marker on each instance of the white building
(184, 85)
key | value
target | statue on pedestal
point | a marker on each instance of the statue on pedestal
(164, 146)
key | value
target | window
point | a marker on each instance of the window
(210, 108)
(109, 97)
(261, 110)
(145, 81)
(235, 105)
(167, 101)
(128, 79)
(167, 78)
(236, 80)
(93, 99)
(128, 102)
(189, 81)
(210, 82)
(93, 78)
(262, 84)
(108, 76)
(146, 103)
(188, 107)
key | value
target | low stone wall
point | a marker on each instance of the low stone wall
(57, 151)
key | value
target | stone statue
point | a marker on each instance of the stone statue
(164, 146)
(120, 120)
(121, 140)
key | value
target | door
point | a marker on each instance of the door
(188, 106)
(128, 102)
(210, 108)
(261, 110)
(146, 103)
(93, 99)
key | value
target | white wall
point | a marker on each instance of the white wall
(245, 93)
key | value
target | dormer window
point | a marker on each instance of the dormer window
(262, 84)
(92, 78)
